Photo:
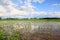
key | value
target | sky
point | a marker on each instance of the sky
(29, 8)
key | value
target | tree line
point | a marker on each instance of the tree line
(24, 18)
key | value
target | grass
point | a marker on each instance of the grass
(10, 29)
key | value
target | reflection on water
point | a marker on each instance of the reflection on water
(28, 29)
(29, 26)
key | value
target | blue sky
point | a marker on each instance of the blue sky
(29, 8)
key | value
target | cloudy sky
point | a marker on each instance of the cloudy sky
(29, 8)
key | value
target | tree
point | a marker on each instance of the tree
(0, 18)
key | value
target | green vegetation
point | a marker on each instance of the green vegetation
(8, 36)
(1, 35)
(33, 19)
(10, 27)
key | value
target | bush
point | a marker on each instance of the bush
(1, 35)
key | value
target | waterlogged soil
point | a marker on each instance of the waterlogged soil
(32, 30)
(43, 31)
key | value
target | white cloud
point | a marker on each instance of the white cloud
(39, 13)
(40, 1)
(57, 14)
(14, 11)
(53, 14)
(2, 11)
(56, 4)
(27, 9)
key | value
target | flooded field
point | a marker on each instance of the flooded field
(29, 30)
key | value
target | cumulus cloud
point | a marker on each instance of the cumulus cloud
(53, 14)
(40, 1)
(2, 11)
(57, 14)
(8, 8)
(56, 4)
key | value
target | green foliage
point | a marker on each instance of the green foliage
(1, 35)
(15, 34)
(0, 18)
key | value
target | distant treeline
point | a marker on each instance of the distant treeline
(24, 18)
(50, 18)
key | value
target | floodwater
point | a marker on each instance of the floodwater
(33, 30)
(38, 26)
